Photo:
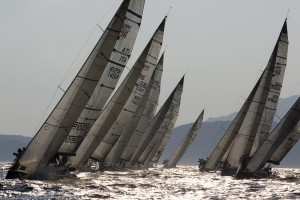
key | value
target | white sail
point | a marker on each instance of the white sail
(111, 74)
(186, 142)
(59, 123)
(290, 124)
(159, 126)
(275, 89)
(122, 142)
(124, 102)
(243, 142)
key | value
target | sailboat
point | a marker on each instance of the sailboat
(122, 106)
(185, 143)
(145, 111)
(288, 126)
(158, 127)
(33, 162)
(255, 115)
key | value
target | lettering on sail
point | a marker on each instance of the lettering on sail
(124, 31)
(73, 139)
(114, 73)
(277, 86)
(274, 98)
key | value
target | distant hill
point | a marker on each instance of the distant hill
(10, 144)
(211, 132)
(283, 106)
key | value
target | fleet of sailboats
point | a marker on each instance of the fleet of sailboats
(125, 132)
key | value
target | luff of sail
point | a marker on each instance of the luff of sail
(126, 115)
(243, 142)
(59, 123)
(289, 124)
(159, 126)
(275, 89)
(122, 142)
(116, 104)
(112, 72)
(186, 142)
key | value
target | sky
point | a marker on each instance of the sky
(221, 47)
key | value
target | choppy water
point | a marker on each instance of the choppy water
(183, 182)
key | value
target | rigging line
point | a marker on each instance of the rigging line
(43, 116)
(70, 70)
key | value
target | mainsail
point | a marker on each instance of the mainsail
(186, 142)
(111, 74)
(123, 140)
(275, 89)
(288, 125)
(159, 125)
(126, 99)
(49, 138)
(243, 142)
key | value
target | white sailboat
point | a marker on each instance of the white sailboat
(122, 105)
(185, 143)
(253, 120)
(243, 142)
(33, 162)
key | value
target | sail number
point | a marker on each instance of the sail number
(124, 31)
(73, 139)
(82, 127)
(114, 73)
(273, 99)
(136, 100)
(276, 86)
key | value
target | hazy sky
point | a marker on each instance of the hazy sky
(222, 46)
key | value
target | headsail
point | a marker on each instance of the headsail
(111, 74)
(243, 142)
(186, 142)
(152, 89)
(126, 99)
(59, 123)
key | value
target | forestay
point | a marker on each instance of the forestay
(186, 142)
(111, 74)
(59, 123)
(123, 140)
(132, 82)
